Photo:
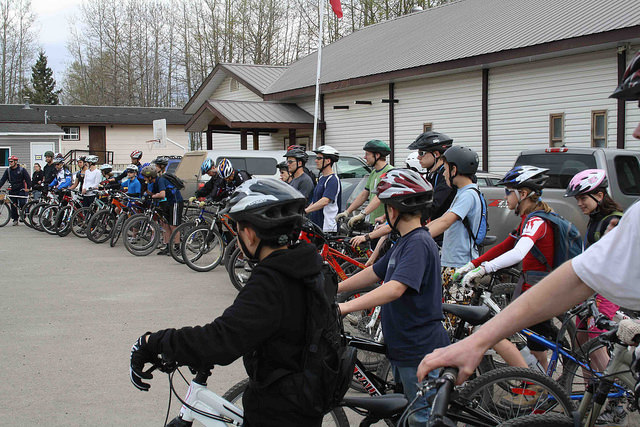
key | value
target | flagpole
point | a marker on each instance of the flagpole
(315, 111)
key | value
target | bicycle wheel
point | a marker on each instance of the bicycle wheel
(202, 249)
(239, 269)
(176, 239)
(117, 229)
(34, 215)
(48, 219)
(502, 294)
(25, 212)
(63, 221)
(336, 417)
(228, 251)
(543, 420)
(5, 213)
(100, 226)
(141, 235)
(80, 220)
(507, 393)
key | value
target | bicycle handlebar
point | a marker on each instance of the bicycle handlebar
(441, 399)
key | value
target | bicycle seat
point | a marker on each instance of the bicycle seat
(473, 315)
(384, 406)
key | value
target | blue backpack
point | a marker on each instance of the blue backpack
(567, 242)
(483, 227)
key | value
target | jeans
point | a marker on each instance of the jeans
(407, 376)
(20, 201)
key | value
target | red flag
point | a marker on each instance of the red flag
(337, 7)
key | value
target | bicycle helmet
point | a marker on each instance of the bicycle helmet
(136, 154)
(413, 162)
(629, 89)
(132, 168)
(328, 152)
(81, 159)
(15, 158)
(463, 158)
(149, 171)
(525, 176)
(377, 146)
(58, 160)
(587, 182)
(161, 161)
(49, 154)
(225, 168)
(431, 141)
(206, 166)
(106, 168)
(404, 189)
(283, 166)
(297, 152)
(273, 208)
(91, 159)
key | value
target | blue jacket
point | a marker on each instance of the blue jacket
(17, 178)
(132, 186)
(62, 179)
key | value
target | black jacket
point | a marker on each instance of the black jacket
(37, 180)
(18, 178)
(265, 324)
(213, 188)
(50, 173)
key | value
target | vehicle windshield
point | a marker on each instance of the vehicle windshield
(562, 166)
(347, 167)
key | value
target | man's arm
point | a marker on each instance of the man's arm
(361, 279)
(441, 224)
(554, 295)
(318, 205)
(387, 292)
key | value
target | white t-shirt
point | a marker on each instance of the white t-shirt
(611, 266)
(92, 179)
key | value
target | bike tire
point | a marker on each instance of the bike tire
(117, 230)
(137, 242)
(100, 226)
(63, 221)
(539, 420)
(5, 214)
(176, 252)
(335, 417)
(79, 221)
(34, 215)
(502, 394)
(25, 212)
(198, 244)
(502, 294)
(48, 219)
(228, 251)
(239, 269)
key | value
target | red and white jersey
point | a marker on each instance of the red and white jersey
(541, 232)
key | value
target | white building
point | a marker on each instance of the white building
(499, 76)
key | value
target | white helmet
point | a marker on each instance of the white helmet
(106, 167)
(328, 151)
(132, 168)
(91, 159)
(414, 163)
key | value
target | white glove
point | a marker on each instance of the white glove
(356, 219)
(460, 272)
(192, 199)
(341, 215)
(471, 276)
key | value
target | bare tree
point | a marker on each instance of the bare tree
(17, 47)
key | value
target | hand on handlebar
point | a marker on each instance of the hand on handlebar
(460, 272)
(140, 355)
(357, 241)
(356, 219)
(472, 276)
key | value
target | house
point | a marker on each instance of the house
(498, 76)
(112, 133)
(23, 139)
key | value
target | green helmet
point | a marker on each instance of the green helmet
(377, 146)
(49, 154)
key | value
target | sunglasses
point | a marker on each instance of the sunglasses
(290, 161)
(422, 153)
(320, 158)
(508, 191)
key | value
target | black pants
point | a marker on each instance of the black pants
(266, 408)
(19, 201)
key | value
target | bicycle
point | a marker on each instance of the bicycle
(190, 222)
(64, 215)
(6, 201)
(131, 208)
(142, 231)
(80, 218)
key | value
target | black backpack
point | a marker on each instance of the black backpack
(174, 180)
(328, 364)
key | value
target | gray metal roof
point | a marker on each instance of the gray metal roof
(258, 76)
(260, 112)
(24, 128)
(79, 114)
(462, 29)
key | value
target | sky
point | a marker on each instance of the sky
(52, 20)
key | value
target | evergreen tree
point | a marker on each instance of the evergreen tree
(42, 82)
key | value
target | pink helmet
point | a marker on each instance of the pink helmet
(586, 182)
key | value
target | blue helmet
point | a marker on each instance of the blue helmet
(206, 166)
(526, 176)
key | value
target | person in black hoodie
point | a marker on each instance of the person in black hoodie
(264, 322)
(49, 169)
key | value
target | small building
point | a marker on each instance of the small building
(28, 142)
(498, 76)
(112, 133)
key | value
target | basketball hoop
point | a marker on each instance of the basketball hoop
(160, 132)
(152, 143)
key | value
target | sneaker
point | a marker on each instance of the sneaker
(613, 415)
(15, 222)
(164, 250)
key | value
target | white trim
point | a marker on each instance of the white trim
(31, 156)
(3, 166)
(31, 133)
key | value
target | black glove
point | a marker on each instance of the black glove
(141, 354)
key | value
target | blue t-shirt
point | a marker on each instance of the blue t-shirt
(457, 245)
(328, 186)
(412, 324)
(171, 193)
(132, 186)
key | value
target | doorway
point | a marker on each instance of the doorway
(98, 142)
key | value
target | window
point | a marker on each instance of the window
(426, 127)
(562, 166)
(599, 128)
(628, 173)
(71, 133)
(234, 85)
(556, 130)
(352, 167)
(5, 153)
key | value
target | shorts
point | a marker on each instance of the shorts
(545, 329)
(172, 212)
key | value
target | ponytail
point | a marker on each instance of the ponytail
(539, 204)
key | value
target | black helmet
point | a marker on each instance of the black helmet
(283, 166)
(297, 152)
(161, 161)
(377, 146)
(629, 88)
(464, 158)
(272, 207)
(405, 190)
(431, 141)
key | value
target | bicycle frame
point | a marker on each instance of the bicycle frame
(331, 256)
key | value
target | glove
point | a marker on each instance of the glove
(202, 204)
(141, 354)
(460, 272)
(192, 199)
(356, 219)
(342, 215)
(474, 274)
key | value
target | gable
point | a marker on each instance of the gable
(238, 92)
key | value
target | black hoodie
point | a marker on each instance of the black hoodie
(265, 324)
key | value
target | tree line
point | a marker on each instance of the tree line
(158, 52)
